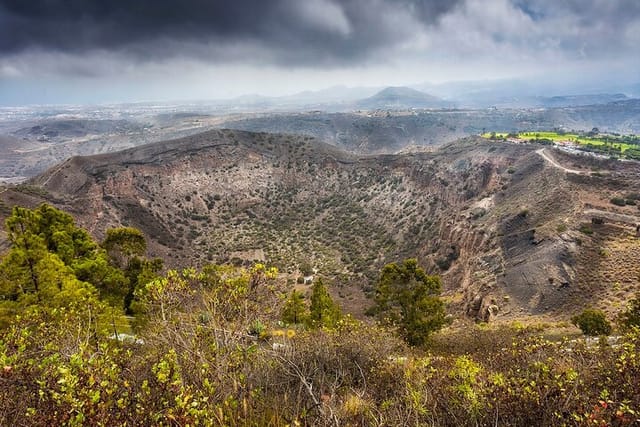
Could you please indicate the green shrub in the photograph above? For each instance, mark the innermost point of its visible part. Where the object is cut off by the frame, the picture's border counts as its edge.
(618, 201)
(631, 317)
(592, 322)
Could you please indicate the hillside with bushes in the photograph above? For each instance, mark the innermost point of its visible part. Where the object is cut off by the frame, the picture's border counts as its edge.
(237, 278)
(218, 346)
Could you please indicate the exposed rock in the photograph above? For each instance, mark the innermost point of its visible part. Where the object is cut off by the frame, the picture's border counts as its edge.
(213, 196)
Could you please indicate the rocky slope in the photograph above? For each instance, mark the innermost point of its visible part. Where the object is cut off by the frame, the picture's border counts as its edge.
(509, 230)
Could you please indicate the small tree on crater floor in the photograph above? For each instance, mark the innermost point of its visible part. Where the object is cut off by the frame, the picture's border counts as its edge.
(295, 310)
(324, 312)
(592, 322)
(408, 299)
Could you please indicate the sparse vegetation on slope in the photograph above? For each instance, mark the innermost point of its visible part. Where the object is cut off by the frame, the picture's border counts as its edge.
(510, 230)
(209, 347)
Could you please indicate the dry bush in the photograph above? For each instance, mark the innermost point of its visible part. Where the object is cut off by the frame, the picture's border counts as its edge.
(198, 364)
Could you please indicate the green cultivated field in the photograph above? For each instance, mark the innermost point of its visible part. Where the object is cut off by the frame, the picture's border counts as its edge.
(625, 145)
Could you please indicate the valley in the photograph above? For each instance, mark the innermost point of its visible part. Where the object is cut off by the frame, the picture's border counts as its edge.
(508, 226)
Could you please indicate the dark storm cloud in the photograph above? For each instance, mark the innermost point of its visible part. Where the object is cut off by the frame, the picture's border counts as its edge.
(360, 41)
(305, 31)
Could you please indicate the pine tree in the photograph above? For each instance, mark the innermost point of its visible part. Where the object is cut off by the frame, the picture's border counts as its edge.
(124, 243)
(47, 230)
(125, 247)
(323, 311)
(295, 310)
(54, 263)
(407, 298)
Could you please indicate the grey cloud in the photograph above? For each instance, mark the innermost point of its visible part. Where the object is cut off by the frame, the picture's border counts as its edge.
(323, 31)
(417, 39)
(593, 28)
(589, 12)
(549, 30)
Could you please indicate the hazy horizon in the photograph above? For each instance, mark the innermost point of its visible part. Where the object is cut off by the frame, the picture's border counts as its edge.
(90, 52)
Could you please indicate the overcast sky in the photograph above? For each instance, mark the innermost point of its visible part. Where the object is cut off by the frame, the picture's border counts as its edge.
(77, 51)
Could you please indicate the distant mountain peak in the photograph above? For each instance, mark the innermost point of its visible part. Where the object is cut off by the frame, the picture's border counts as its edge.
(402, 91)
(402, 97)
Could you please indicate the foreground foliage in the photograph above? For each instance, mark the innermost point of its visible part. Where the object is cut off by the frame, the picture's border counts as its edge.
(183, 371)
(210, 348)
(54, 264)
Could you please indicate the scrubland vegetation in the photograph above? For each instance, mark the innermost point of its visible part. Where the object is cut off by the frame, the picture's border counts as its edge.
(226, 345)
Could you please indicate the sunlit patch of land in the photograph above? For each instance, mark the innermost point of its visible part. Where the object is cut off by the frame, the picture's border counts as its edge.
(612, 144)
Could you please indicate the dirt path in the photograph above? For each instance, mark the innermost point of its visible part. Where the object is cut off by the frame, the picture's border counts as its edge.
(611, 216)
(555, 164)
(53, 172)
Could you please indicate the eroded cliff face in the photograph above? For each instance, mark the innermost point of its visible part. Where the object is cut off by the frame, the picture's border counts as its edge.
(497, 221)
(509, 258)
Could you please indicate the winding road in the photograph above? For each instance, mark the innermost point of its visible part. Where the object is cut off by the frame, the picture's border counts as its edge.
(610, 216)
(555, 164)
